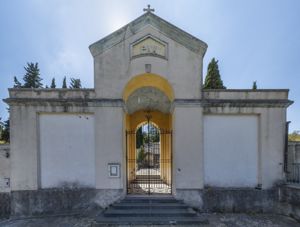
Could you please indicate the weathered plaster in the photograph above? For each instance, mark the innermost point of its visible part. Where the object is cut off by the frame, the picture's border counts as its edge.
(60, 201)
(4, 168)
(231, 200)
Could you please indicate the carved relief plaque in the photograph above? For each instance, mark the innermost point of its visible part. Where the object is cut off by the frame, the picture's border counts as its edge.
(149, 46)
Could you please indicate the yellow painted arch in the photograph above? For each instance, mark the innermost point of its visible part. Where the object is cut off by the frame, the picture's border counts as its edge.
(161, 120)
(148, 80)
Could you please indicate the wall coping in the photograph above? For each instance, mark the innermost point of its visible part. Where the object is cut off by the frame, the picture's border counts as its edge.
(293, 186)
(246, 94)
(247, 90)
(294, 143)
(211, 98)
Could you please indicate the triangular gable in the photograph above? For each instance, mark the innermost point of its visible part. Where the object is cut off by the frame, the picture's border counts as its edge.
(190, 42)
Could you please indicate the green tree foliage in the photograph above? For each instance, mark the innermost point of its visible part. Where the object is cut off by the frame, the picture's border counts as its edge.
(142, 136)
(1, 128)
(5, 131)
(139, 138)
(213, 79)
(17, 83)
(153, 134)
(53, 85)
(64, 85)
(32, 77)
(75, 83)
(295, 136)
(254, 86)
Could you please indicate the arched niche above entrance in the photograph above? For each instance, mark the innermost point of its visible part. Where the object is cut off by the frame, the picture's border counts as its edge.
(148, 98)
(148, 92)
(148, 80)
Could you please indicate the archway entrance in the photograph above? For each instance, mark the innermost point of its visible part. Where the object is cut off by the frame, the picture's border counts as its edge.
(148, 104)
(149, 155)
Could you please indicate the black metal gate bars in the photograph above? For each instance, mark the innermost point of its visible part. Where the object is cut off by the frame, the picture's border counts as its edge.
(149, 165)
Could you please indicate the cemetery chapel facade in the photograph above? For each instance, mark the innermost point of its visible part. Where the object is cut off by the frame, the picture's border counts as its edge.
(147, 127)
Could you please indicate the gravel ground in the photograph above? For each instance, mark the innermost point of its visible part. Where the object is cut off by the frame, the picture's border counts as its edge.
(219, 220)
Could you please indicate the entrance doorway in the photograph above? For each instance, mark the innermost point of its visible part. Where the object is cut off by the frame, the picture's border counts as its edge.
(149, 164)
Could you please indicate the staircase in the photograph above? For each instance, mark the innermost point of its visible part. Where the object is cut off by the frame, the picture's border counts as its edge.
(162, 210)
(144, 179)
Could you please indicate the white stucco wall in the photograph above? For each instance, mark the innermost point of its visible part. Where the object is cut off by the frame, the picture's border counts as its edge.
(231, 150)
(109, 143)
(24, 148)
(67, 150)
(187, 148)
(271, 136)
(272, 130)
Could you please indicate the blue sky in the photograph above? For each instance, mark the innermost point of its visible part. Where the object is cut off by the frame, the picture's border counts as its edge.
(257, 40)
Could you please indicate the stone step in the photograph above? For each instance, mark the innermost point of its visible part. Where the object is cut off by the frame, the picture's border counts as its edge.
(151, 182)
(147, 176)
(147, 180)
(149, 206)
(163, 199)
(106, 221)
(149, 213)
(149, 210)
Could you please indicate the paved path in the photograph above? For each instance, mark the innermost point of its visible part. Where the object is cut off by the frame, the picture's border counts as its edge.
(215, 220)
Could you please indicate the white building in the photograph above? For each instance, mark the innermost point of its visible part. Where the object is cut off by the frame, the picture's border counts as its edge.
(226, 140)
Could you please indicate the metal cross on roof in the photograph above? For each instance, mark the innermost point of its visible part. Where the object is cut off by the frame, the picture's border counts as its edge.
(148, 10)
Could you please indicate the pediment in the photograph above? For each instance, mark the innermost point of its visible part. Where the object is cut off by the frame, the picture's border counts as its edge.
(185, 39)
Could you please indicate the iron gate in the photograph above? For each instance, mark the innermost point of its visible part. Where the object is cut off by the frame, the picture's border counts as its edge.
(149, 165)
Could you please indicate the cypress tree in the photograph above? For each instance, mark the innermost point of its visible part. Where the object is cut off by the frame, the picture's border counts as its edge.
(53, 85)
(32, 77)
(213, 78)
(254, 86)
(64, 85)
(139, 137)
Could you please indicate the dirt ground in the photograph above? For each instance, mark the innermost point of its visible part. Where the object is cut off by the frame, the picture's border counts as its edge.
(218, 220)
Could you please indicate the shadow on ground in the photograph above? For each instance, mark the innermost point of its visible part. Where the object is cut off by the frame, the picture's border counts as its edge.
(219, 220)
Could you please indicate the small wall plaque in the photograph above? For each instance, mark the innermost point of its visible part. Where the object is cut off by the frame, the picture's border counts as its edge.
(113, 169)
(5, 182)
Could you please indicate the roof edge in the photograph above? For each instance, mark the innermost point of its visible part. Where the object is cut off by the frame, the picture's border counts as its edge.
(178, 35)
